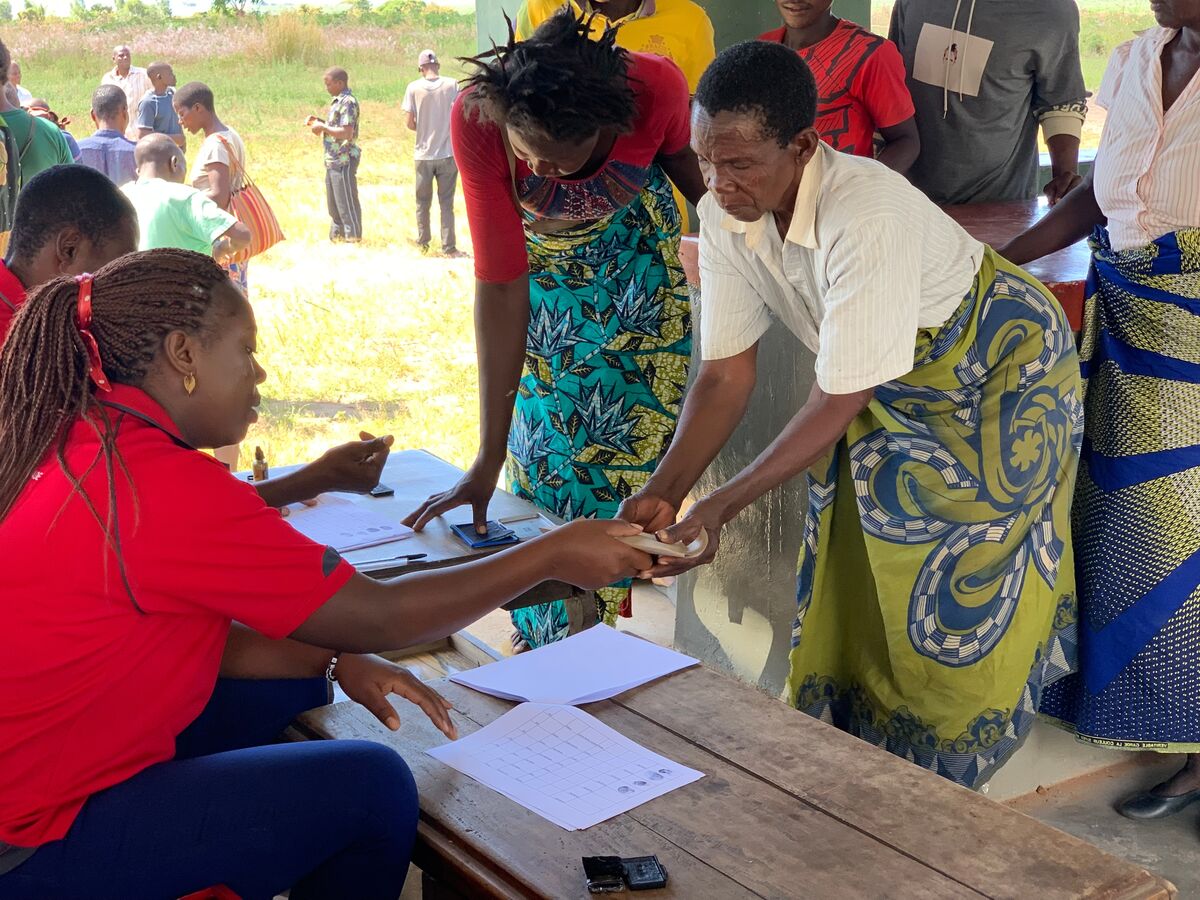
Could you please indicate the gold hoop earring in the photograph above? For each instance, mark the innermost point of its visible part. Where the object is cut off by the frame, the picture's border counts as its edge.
(189, 383)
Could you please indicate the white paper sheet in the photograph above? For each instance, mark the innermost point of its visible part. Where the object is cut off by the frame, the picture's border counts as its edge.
(344, 525)
(593, 665)
(564, 765)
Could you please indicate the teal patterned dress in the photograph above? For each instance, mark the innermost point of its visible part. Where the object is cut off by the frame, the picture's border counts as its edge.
(610, 340)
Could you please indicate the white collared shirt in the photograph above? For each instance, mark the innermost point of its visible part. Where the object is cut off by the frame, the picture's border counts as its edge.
(135, 85)
(1147, 175)
(867, 262)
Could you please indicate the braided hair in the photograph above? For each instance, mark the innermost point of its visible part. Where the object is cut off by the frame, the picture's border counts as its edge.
(559, 83)
(45, 368)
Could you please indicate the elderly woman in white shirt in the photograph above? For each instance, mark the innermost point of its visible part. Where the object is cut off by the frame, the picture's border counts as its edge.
(936, 592)
(1137, 510)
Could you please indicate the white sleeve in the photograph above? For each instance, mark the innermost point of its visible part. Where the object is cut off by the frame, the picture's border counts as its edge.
(1111, 82)
(732, 315)
(409, 106)
(869, 328)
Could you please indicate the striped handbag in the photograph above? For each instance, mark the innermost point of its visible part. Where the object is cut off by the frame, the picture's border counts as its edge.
(251, 208)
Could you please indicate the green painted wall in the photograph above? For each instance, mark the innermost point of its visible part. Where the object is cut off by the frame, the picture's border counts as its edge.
(734, 20)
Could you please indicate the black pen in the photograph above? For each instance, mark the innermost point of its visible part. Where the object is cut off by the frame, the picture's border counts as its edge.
(407, 557)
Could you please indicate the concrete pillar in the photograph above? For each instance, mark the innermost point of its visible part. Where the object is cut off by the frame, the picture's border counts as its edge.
(734, 20)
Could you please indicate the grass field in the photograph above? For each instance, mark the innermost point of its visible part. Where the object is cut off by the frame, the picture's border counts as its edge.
(374, 336)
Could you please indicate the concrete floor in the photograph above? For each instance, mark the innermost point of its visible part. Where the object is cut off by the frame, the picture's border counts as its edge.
(1084, 807)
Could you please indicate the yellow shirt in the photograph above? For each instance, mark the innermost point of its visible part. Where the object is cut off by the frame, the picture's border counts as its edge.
(677, 29)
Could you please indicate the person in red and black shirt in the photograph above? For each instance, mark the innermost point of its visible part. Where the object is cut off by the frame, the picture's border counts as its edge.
(162, 623)
(69, 219)
(861, 86)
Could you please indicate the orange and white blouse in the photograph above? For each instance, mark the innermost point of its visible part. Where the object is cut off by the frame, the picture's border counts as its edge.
(1147, 175)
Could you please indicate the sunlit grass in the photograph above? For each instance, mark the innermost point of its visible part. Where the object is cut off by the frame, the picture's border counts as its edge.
(374, 336)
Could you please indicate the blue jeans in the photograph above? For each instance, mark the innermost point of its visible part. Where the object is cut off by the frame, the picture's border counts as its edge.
(328, 819)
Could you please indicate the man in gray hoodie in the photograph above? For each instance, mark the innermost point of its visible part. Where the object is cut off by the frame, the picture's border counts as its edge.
(984, 75)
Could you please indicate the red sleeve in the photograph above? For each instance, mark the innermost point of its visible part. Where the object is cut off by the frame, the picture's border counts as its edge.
(209, 541)
(6, 317)
(497, 233)
(882, 87)
(664, 102)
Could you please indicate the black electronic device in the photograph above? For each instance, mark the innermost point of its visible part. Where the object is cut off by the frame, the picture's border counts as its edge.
(644, 873)
(604, 874)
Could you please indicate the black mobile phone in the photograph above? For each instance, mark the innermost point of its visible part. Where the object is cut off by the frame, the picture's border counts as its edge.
(381, 490)
(604, 874)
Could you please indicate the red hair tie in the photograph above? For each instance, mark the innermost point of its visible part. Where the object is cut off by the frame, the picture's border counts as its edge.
(84, 322)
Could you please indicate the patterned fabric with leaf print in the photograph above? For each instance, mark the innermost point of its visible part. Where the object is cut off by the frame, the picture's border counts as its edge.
(610, 340)
(936, 595)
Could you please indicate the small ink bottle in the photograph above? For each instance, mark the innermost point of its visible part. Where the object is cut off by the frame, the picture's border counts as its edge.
(260, 465)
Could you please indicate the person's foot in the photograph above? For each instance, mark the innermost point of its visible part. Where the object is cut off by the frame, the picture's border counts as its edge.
(423, 248)
(351, 240)
(1156, 806)
(1175, 794)
(453, 254)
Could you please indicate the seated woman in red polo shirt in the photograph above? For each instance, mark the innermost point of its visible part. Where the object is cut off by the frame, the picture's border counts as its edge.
(861, 86)
(129, 556)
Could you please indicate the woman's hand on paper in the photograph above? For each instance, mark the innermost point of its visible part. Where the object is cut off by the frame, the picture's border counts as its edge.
(588, 555)
(370, 680)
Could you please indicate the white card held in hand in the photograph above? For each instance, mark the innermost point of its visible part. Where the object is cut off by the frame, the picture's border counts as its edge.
(652, 545)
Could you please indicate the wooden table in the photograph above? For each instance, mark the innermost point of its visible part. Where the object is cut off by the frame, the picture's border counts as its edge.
(416, 475)
(1064, 272)
(789, 808)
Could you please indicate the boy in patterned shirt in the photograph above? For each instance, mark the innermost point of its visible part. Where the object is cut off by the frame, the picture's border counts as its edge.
(342, 154)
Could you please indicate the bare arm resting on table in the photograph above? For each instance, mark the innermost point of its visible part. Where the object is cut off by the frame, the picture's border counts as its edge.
(1071, 220)
(1064, 167)
(501, 323)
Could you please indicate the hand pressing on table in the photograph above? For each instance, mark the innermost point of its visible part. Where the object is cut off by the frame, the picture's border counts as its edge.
(474, 489)
(369, 681)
